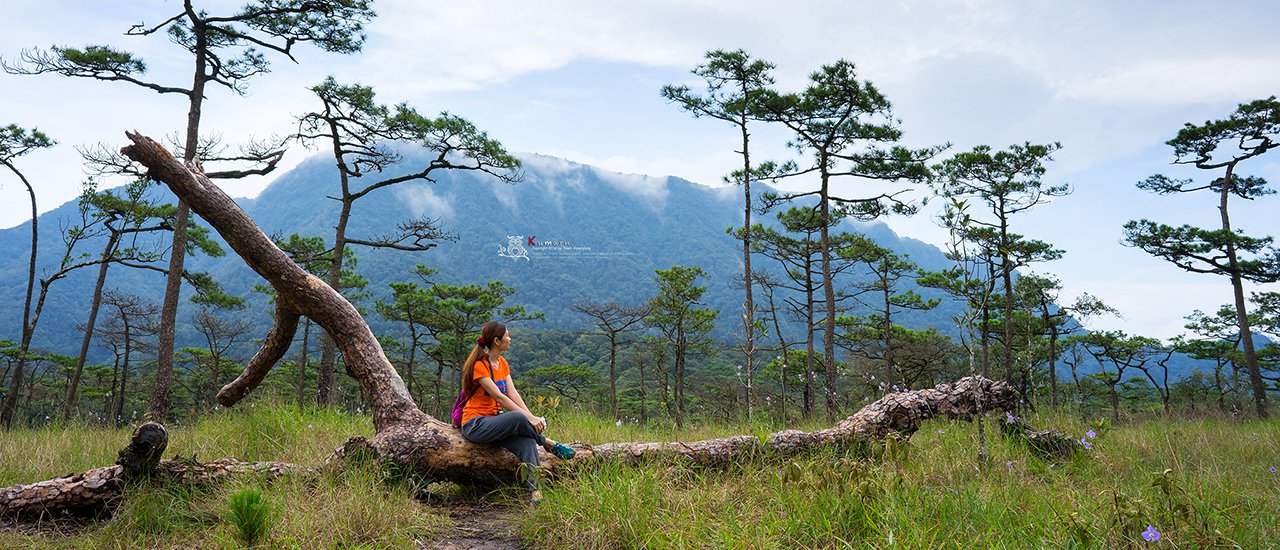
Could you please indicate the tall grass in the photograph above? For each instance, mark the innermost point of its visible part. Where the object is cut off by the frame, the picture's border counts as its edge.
(932, 493)
(928, 492)
(354, 508)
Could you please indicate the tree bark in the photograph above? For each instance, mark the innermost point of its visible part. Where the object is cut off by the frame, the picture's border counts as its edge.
(9, 407)
(94, 304)
(1242, 315)
(749, 321)
(160, 393)
(167, 335)
(117, 401)
(828, 294)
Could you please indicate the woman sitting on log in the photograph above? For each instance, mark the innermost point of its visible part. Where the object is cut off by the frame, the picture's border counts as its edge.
(486, 379)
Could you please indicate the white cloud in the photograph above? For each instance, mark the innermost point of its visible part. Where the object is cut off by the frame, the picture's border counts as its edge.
(423, 202)
(1210, 79)
(653, 190)
(506, 194)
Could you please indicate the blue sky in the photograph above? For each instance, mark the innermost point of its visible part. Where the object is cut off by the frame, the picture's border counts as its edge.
(1111, 81)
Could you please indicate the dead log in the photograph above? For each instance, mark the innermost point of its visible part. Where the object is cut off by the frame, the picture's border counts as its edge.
(1045, 443)
(95, 491)
(897, 413)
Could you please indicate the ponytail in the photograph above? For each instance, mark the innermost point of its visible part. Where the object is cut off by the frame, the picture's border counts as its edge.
(489, 333)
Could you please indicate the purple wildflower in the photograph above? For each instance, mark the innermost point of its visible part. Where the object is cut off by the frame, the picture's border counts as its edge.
(1151, 535)
(1008, 464)
(1272, 470)
(1085, 443)
(1091, 434)
(1008, 417)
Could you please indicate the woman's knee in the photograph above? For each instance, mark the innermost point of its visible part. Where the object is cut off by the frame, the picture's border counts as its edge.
(524, 426)
(525, 449)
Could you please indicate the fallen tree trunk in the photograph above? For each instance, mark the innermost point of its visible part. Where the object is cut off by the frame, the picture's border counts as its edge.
(414, 442)
(897, 413)
(97, 490)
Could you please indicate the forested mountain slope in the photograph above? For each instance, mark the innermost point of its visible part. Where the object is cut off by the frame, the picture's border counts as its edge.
(597, 236)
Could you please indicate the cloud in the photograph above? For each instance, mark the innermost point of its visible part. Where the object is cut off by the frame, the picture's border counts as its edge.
(463, 46)
(506, 194)
(653, 190)
(1176, 81)
(422, 201)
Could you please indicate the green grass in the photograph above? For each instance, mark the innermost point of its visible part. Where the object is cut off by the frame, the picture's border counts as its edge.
(934, 495)
(931, 493)
(353, 509)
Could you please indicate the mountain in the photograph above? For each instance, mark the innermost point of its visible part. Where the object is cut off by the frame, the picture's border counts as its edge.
(586, 234)
(566, 233)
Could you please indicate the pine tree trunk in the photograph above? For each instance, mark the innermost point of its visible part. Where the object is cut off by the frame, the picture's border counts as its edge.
(1242, 317)
(96, 302)
(117, 410)
(613, 375)
(301, 388)
(9, 406)
(747, 278)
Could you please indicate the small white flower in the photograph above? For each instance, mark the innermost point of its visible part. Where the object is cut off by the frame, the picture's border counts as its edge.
(618, 423)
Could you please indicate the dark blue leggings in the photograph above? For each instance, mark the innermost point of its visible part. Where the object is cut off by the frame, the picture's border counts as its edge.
(514, 432)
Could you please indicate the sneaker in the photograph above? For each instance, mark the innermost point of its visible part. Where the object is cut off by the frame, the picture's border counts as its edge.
(562, 451)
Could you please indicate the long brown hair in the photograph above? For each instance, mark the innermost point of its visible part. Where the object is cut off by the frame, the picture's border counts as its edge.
(489, 333)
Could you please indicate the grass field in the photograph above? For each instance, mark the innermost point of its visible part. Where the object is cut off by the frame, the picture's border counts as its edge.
(1197, 483)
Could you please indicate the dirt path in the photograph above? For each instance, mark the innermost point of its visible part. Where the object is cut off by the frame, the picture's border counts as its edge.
(478, 525)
